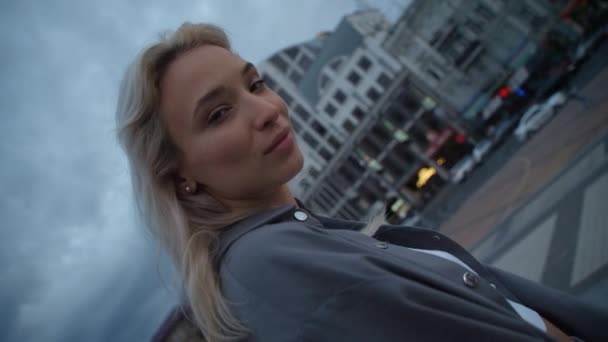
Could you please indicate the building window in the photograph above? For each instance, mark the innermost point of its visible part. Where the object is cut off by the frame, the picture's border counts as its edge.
(305, 62)
(349, 126)
(295, 77)
(285, 96)
(339, 96)
(369, 147)
(411, 99)
(393, 167)
(334, 142)
(418, 134)
(474, 26)
(330, 109)
(403, 153)
(302, 113)
(325, 154)
(279, 63)
(536, 22)
(354, 164)
(270, 82)
(324, 81)
(335, 65)
(384, 81)
(314, 173)
(358, 113)
(304, 184)
(296, 126)
(484, 12)
(322, 195)
(528, 15)
(373, 94)
(381, 133)
(292, 52)
(345, 173)
(354, 78)
(364, 63)
(319, 128)
(433, 74)
(310, 140)
(396, 117)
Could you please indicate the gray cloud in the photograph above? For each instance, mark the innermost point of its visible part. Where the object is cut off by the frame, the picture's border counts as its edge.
(73, 264)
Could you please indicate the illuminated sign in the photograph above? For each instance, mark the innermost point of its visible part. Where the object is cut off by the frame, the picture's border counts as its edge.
(424, 174)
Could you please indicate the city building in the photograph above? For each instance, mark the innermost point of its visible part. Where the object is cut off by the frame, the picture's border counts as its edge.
(330, 85)
(463, 51)
(398, 156)
(379, 137)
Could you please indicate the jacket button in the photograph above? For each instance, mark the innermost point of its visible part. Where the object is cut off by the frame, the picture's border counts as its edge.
(436, 237)
(300, 215)
(382, 245)
(470, 279)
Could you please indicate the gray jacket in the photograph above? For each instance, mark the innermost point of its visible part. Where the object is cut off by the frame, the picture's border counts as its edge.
(290, 275)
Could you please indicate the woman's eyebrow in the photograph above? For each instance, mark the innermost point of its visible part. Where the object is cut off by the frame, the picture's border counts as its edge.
(217, 91)
(246, 68)
(211, 95)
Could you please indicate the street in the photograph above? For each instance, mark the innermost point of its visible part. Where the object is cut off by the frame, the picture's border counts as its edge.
(539, 208)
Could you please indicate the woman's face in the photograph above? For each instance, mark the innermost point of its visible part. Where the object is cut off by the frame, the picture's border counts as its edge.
(223, 120)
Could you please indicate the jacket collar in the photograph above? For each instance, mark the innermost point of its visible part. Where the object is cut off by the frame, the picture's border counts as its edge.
(236, 230)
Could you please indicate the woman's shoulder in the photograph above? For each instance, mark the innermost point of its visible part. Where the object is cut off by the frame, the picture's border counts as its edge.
(264, 267)
(288, 255)
(262, 245)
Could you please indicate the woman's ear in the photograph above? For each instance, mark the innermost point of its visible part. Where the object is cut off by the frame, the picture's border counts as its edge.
(185, 186)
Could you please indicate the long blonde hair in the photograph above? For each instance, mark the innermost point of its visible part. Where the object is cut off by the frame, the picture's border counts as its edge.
(186, 226)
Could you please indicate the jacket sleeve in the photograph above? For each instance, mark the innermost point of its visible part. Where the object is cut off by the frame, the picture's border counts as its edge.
(387, 309)
(572, 315)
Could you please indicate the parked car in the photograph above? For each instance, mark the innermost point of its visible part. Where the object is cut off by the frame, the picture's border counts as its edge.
(585, 47)
(503, 128)
(461, 169)
(556, 100)
(538, 114)
(481, 149)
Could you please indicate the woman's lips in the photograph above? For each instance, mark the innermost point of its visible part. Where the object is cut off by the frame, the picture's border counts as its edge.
(285, 142)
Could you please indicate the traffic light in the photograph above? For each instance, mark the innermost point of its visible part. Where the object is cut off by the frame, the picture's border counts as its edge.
(504, 92)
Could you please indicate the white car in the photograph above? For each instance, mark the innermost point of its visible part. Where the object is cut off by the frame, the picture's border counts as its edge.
(462, 169)
(538, 115)
(556, 100)
(481, 149)
(585, 48)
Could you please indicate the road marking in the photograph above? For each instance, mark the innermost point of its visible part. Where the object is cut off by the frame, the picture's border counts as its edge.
(592, 244)
(528, 257)
(522, 183)
(567, 182)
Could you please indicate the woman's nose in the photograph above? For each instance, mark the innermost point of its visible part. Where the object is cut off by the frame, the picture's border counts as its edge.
(266, 112)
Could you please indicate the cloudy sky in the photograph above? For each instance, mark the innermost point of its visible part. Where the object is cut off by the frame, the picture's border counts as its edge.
(73, 264)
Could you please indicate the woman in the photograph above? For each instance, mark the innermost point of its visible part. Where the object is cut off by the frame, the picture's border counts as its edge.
(211, 151)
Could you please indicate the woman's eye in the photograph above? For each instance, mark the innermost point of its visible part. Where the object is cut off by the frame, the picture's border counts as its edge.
(257, 85)
(217, 115)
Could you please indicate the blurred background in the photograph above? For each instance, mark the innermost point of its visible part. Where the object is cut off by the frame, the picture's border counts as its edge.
(483, 119)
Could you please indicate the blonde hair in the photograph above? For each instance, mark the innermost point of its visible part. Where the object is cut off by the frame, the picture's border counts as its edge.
(186, 226)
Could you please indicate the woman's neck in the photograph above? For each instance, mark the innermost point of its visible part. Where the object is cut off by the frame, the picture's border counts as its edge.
(269, 200)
